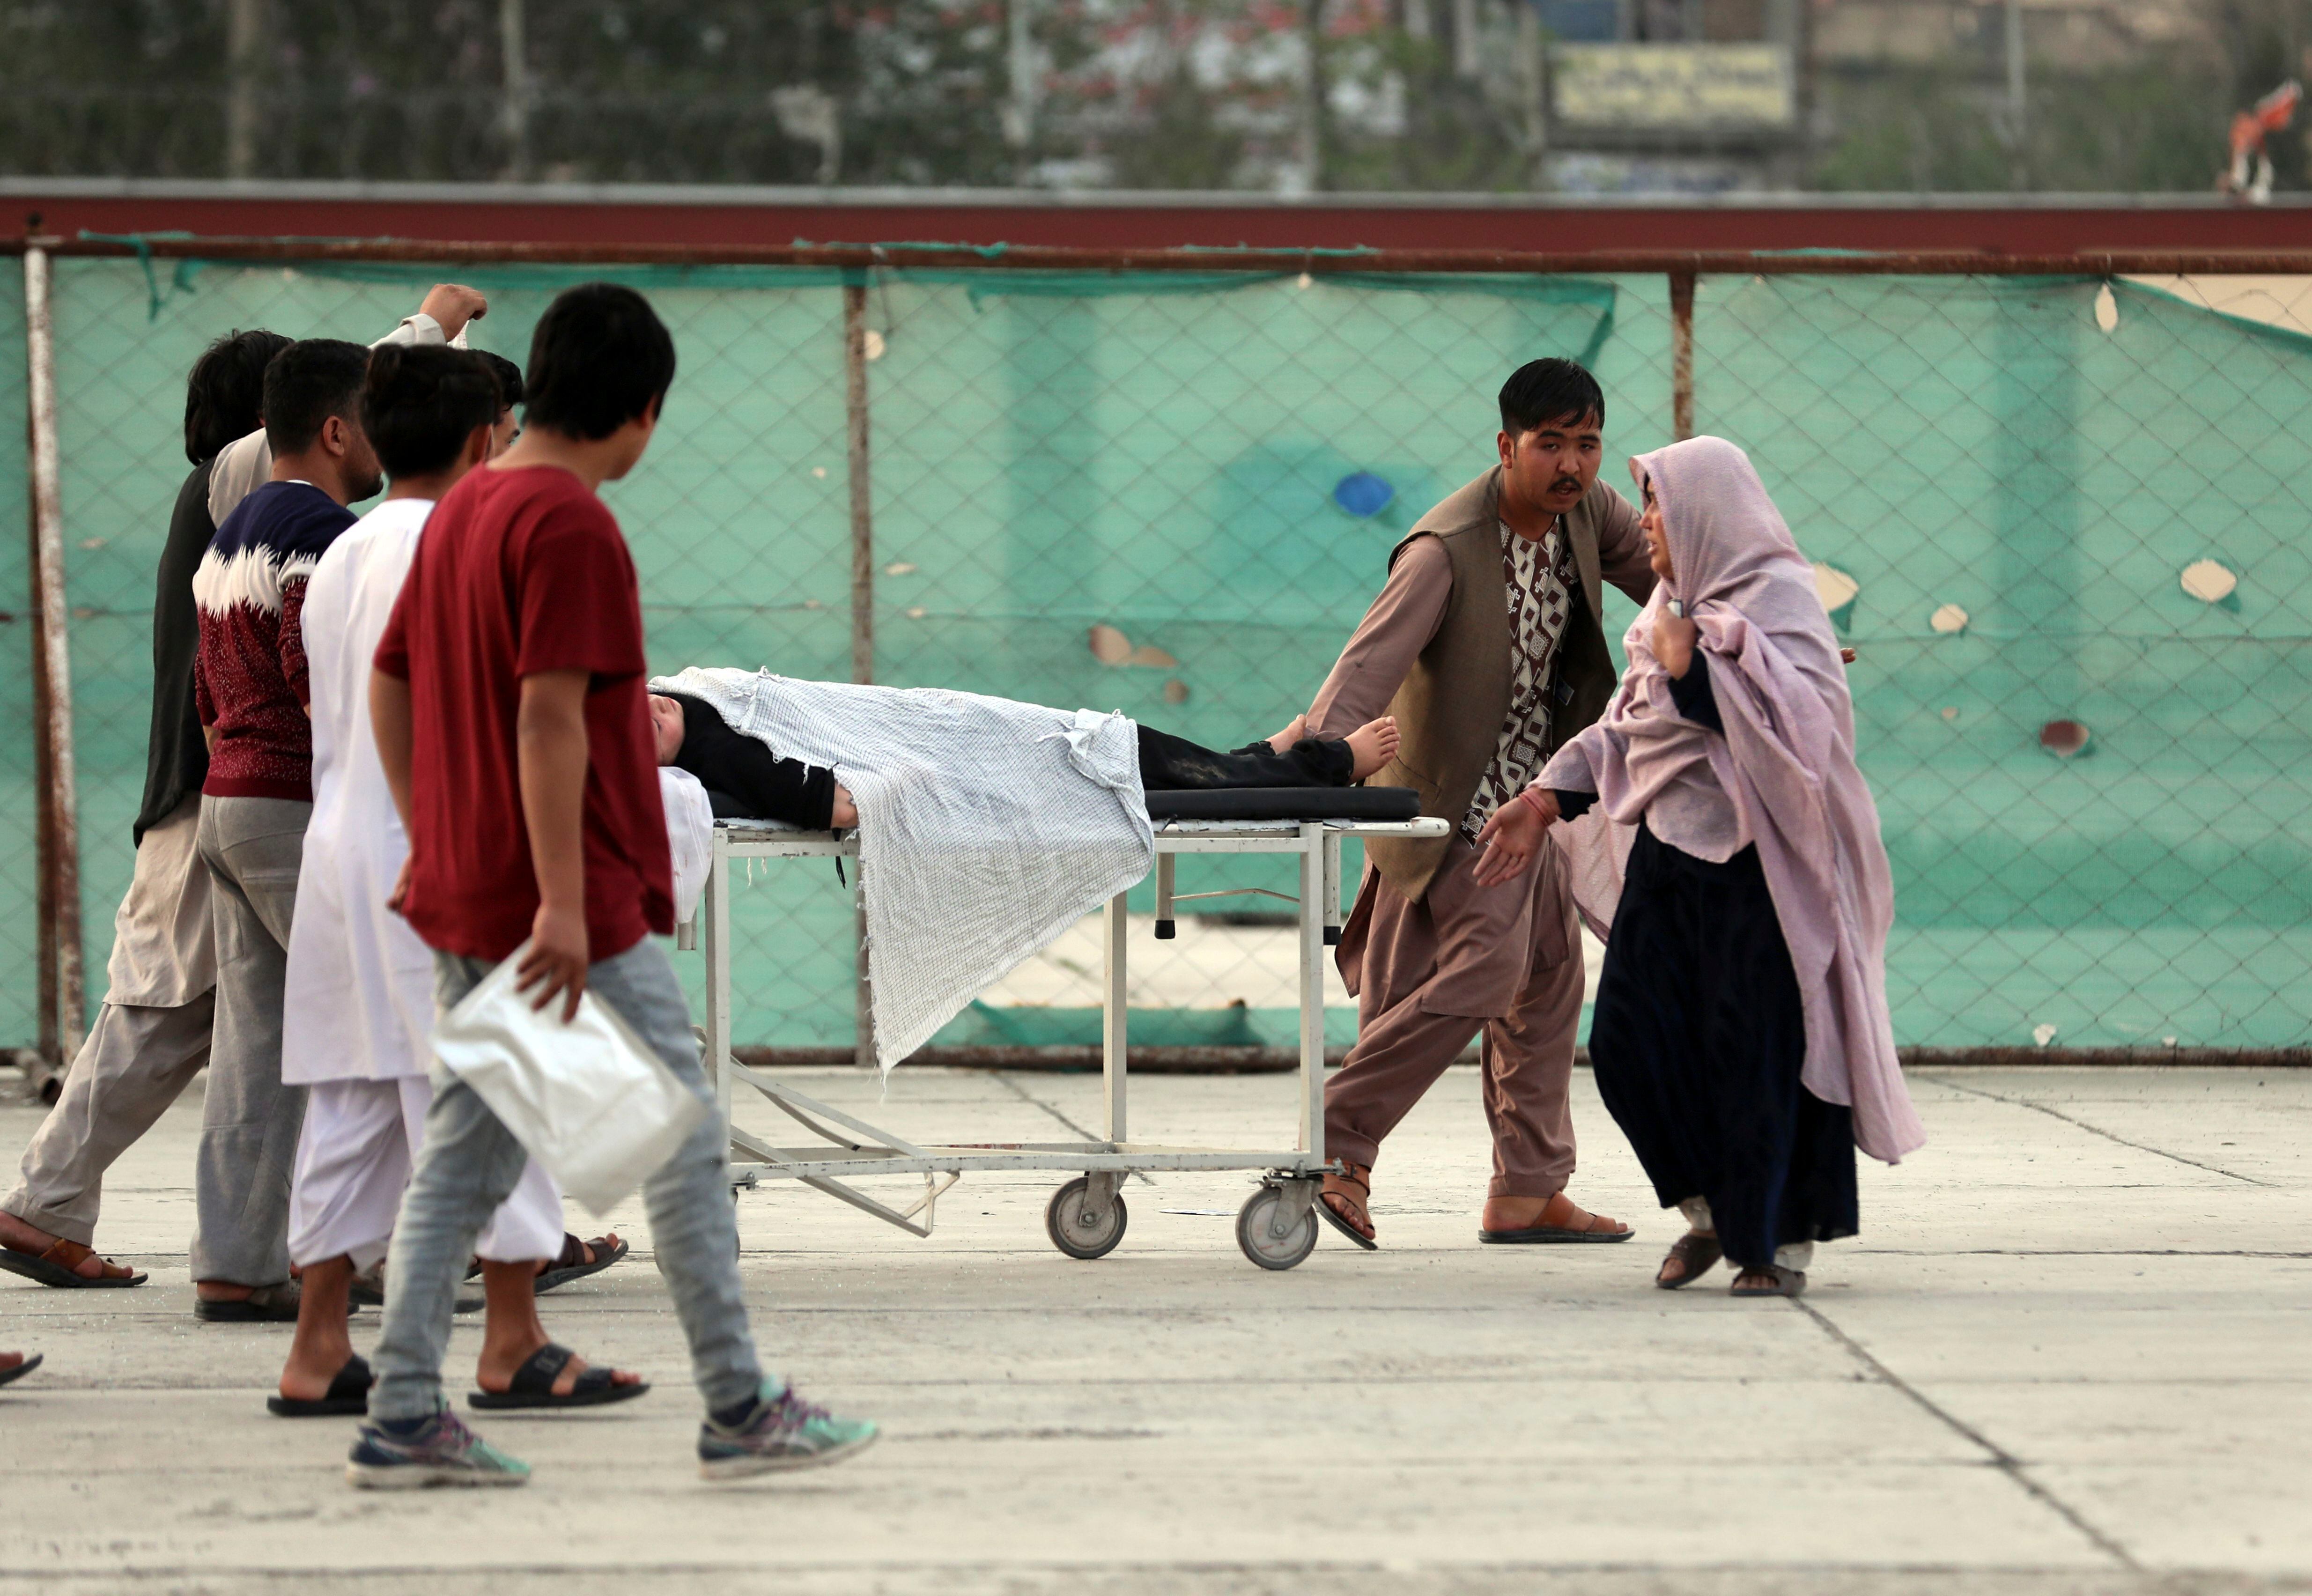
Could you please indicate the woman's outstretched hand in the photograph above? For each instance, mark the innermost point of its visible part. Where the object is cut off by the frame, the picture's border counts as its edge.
(1514, 835)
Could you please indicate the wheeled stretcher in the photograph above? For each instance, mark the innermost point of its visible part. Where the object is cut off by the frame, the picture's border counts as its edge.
(1276, 1228)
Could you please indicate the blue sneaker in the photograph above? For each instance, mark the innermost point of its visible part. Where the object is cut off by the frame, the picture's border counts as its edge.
(444, 1453)
(784, 1431)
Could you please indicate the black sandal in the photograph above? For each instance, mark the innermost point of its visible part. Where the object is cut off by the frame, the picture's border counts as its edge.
(267, 1304)
(533, 1384)
(573, 1265)
(18, 1371)
(347, 1396)
(1698, 1253)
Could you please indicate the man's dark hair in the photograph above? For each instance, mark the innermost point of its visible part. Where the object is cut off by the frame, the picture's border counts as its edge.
(1553, 390)
(509, 376)
(311, 380)
(600, 358)
(225, 397)
(420, 405)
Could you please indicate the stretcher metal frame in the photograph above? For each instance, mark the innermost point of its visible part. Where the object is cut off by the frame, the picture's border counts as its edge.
(1086, 1218)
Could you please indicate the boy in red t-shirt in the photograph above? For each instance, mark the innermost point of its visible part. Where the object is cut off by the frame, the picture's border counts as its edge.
(510, 717)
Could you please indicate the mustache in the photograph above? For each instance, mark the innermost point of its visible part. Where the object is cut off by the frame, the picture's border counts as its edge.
(1566, 484)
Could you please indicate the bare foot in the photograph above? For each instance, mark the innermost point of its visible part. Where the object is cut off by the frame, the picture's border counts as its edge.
(1371, 746)
(1283, 740)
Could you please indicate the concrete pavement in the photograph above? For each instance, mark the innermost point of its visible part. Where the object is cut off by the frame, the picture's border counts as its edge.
(2067, 1355)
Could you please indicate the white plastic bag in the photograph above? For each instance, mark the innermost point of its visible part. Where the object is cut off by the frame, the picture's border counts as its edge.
(590, 1099)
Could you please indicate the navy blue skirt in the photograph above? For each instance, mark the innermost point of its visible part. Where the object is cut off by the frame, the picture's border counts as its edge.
(1698, 1037)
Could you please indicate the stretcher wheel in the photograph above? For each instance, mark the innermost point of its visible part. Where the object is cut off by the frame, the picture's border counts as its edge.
(1256, 1230)
(1078, 1232)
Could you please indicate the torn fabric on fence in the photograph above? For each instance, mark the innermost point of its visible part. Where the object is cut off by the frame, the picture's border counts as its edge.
(986, 827)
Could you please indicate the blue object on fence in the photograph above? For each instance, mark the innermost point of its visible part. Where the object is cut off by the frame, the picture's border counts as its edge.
(1360, 493)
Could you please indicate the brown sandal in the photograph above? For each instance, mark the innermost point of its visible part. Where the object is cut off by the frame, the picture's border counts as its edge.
(1351, 1216)
(1573, 1223)
(1772, 1281)
(1694, 1253)
(59, 1267)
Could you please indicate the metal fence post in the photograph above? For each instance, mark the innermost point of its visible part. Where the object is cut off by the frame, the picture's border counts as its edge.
(862, 597)
(1681, 354)
(61, 1000)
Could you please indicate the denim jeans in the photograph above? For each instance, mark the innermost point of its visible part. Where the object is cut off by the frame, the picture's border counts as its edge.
(470, 1164)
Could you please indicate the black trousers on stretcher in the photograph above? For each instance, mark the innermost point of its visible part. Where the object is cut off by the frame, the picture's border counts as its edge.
(1169, 764)
(744, 779)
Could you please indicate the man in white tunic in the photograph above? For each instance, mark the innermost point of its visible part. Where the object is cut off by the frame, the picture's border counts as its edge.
(360, 1011)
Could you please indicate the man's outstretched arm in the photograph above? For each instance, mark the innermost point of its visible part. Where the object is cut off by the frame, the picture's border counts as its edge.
(243, 465)
(1392, 635)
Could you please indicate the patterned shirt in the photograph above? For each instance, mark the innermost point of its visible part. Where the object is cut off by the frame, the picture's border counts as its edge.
(1541, 578)
(249, 668)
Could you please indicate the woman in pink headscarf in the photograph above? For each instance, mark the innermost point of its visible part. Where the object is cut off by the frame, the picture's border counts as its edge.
(1722, 831)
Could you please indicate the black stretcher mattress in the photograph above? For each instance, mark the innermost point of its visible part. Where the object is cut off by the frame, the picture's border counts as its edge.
(1286, 804)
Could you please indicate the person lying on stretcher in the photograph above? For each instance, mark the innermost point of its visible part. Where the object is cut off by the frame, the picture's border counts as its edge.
(745, 780)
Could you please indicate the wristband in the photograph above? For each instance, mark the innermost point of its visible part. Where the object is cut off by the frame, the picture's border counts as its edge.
(1528, 794)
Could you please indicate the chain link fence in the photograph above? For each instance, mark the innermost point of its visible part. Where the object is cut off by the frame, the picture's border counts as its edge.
(2062, 520)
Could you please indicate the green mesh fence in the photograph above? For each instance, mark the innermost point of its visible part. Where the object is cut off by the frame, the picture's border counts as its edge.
(1158, 456)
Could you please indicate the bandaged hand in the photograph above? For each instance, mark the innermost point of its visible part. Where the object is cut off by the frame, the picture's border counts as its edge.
(1510, 839)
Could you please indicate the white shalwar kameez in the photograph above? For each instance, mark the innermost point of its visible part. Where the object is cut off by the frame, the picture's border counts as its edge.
(360, 1014)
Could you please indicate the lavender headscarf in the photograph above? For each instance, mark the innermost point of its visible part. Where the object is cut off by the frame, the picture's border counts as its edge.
(1787, 761)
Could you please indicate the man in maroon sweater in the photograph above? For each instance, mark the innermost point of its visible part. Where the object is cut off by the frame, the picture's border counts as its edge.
(249, 687)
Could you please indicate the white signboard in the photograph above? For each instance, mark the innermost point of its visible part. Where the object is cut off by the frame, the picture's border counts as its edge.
(1672, 87)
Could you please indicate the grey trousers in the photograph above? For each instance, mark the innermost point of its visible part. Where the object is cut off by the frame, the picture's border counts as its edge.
(471, 1162)
(136, 1061)
(249, 1131)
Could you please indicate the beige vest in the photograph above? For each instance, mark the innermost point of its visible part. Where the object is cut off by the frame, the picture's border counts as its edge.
(1449, 711)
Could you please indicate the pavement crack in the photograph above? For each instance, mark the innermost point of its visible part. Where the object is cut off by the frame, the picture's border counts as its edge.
(1026, 1096)
(2005, 1462)
(2024, 1102)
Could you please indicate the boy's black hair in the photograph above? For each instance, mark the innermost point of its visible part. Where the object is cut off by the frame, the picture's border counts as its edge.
(600, 358)
(509, 376)
(311, 380)
(1550, 391)
(224, 398)
(420, 405)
